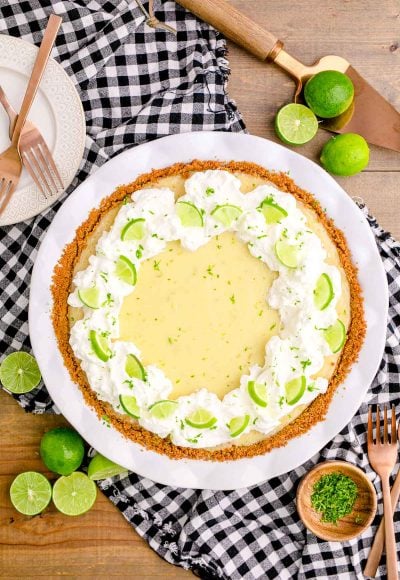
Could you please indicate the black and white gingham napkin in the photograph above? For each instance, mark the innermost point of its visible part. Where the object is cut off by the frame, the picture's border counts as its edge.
(136, 84)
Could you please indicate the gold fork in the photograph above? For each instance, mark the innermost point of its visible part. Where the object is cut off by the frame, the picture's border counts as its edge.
(10, 160)
(382, 457)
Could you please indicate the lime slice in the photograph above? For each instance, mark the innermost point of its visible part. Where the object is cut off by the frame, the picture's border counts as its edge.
(189, 214)
(134, 368)
(90, 297)
(323, 292)
(133, 230)
(201, 419)
(102, 468)
(295, 390)
(74, 494)
(258, 393)
(163, 409)
(335, 336)
(99, 345)
(30, 493)
(19, 373)
(273, 213)
(295, 124)
(129, 405)
(238, 424)
(286, 253)
(125, 270)
(226, 214)
(62, 450)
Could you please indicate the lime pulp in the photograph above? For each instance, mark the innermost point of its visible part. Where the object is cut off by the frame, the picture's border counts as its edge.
(294, 390)
(125, 270)
(62, 450)
(323, 292)
(74, 494)
(100, 345)
(273, 213)
(335, 336)
(102, 468)
(30, 493)
(130, 406)
(19, 373)
(295, 124)
(286, 253)
(238, 424)
(226, 214)
(134, 368)
(163, 409)
(258, 393)
(201, 419)
(90, 297)
(189, 214)
(133, 230)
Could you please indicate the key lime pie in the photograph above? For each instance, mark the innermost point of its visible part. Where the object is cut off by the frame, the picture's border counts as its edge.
(208, 310)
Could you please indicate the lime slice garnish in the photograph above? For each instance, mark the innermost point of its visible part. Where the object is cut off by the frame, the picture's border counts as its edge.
(189, 214)
(295, 124)
(323, 292)
(74, 494)
(258, 393)
(273, 213)
(129, 405)
(201, 419)
(19, 373)
(30, 493)
(226, 214)
(90, 297)
(62, 450)
(134, 368)
(335, 336)
(238, 424)
(133, 230)
(101, 468)
(125, 270)
(100, 345)
(286, 253)
(294, 390)
(163, 409)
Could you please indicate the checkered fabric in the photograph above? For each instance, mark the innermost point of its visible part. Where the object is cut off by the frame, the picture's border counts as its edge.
(137, 84)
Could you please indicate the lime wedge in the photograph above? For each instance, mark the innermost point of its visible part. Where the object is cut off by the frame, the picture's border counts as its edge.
(90, 297)
(19, 373)
(129, 405)
(286, 253)
(134, 368)
(258, 393)
(335, 336)
(125, 270)
(295, 390)
(189, 214)
(30, 493)
(163, 409)
(74, 494)
(238, 424)
(295, 124)
(273, 213)
(100, 345)
(133, 230)
(101, 468)
(201, 419)
(226, 214)
(323, 292)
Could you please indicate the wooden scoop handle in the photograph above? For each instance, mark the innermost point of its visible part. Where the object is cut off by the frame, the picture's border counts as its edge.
(236, 26)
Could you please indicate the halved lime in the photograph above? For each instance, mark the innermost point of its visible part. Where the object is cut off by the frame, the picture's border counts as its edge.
(30, 493)
(335, 336)
(189, 214)
(101, 468)
(163, 409)
(273, 213)
(90, 297)
(134, 368)
(19, 373)
(238, 424)
(294, 390)
(100, 345)
(323, 292)
(258, 393)
(287, 253)
(201, 419)
(226, 214)
(126, 271)
(129, 405)
(74, 494)
(295, 124)
(133, 230)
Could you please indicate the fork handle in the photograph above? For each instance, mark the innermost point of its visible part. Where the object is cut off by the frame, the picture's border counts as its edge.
(37, 72)
(390, 542)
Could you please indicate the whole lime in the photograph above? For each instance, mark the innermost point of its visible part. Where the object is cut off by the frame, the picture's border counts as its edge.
(62, 450)
(345, 154)
(329, 93)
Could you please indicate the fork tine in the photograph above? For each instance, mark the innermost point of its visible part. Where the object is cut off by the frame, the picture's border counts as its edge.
(370, 439)
(6, 190)
(393, 434)
(45, 168)
(385, 425)
(378, 425)
(32, 172)
(35, 171)
(51, 162)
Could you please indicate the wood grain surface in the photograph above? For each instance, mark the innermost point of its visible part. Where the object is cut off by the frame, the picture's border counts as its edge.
(101, 543)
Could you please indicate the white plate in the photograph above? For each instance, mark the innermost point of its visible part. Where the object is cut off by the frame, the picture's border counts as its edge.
(57, 112)
(125, 168)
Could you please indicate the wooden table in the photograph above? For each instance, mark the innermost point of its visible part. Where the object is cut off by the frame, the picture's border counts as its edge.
(101, 543)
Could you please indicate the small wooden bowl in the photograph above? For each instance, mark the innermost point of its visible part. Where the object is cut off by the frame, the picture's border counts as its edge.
(351, 525)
